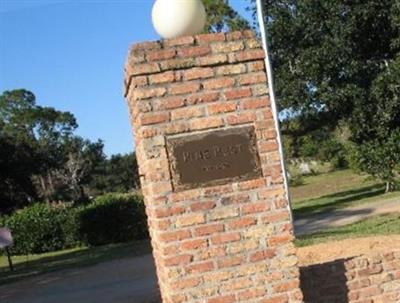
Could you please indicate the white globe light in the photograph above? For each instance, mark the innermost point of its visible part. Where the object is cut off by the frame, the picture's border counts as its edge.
(175, 18)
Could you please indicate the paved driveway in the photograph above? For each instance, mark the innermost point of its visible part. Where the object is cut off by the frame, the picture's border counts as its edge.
(120, 281)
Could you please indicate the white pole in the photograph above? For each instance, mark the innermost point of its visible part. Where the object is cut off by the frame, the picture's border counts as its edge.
(268, 67)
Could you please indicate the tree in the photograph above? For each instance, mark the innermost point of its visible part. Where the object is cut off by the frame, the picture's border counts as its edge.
(81, 157)
(44, 130)
(380, 158)
(222, 17)
(117, 174)
(17, 164)
(337, 62)
(326, 54)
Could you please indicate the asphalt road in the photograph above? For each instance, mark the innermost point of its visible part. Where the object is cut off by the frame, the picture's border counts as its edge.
(120, 281)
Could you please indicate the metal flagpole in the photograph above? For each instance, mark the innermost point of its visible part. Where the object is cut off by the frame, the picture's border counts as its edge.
(263, 31)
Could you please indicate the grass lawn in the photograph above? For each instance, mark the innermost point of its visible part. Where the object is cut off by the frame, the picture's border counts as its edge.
(27, 266)
(339, 189)
(380, 225)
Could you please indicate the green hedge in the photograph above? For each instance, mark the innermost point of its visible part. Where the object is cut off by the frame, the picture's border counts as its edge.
(113, 218)
(41, 228)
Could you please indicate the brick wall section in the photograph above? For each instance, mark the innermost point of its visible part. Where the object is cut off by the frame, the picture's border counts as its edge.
(362, 279)
(218, 244)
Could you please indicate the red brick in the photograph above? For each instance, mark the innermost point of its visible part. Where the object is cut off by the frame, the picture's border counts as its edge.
(202, 98)
(235, 199)
(138, 81)
(187, 113)
(198, 73)
(241, 118)
(370, 291)
(237, 93)
(169, 103)
(178, 63)
(176, 128)
(230, 262)
(184, 88)
(190, 219)
(257, 207)
(153, 118)
(218, 83)
(222, 299)
(371, 270)
(212, 60)
(162, 54)
(163, 224)
(185, 195)
(286, 286)
(221, 107)
(175, 235)
(242, 222)
(276, 299)
(251, 294)
(185, 40)
(206, 205)
(267, 146)
(178, 260)
(276, 217)
(256, 183)
(178, 298)
(227, 47)
(195, 51)
(207, 38)
(165, 77)
(218, 190)
(205, 123)
(186, 283)
(146, 45)
(194, 244)
(225, 238)
(168, 212)
(249, 55)
(280, 240)
(208, 229)
(255, 103)
(230, 69)
(146, 68)
(256, 66)
(237, 35)
(200, 267)
(248, 34)
(148, 93)
(170, 250)
(253, 78)
(262, 255)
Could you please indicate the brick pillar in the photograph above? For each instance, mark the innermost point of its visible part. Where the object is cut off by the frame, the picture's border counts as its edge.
(210, 170)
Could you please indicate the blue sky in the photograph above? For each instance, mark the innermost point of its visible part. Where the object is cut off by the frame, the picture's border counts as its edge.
(70, 54)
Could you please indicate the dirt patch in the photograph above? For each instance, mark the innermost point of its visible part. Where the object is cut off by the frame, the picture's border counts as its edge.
(325, 252)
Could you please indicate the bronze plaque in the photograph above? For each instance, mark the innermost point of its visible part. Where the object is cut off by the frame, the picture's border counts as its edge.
(213, 157)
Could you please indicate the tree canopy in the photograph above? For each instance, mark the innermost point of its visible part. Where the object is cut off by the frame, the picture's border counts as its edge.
(337, 63)
(222, 17)
(41, 157)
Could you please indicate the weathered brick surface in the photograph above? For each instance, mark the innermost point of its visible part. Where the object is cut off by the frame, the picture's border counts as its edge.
(217, 244)
(374, 279)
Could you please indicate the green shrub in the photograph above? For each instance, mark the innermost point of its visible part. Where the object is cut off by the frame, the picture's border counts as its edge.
(42, 228)
(113, 218)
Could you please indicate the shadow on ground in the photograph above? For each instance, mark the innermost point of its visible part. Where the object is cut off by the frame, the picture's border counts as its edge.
(338, 200)
(325, 282)
(74, 259)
